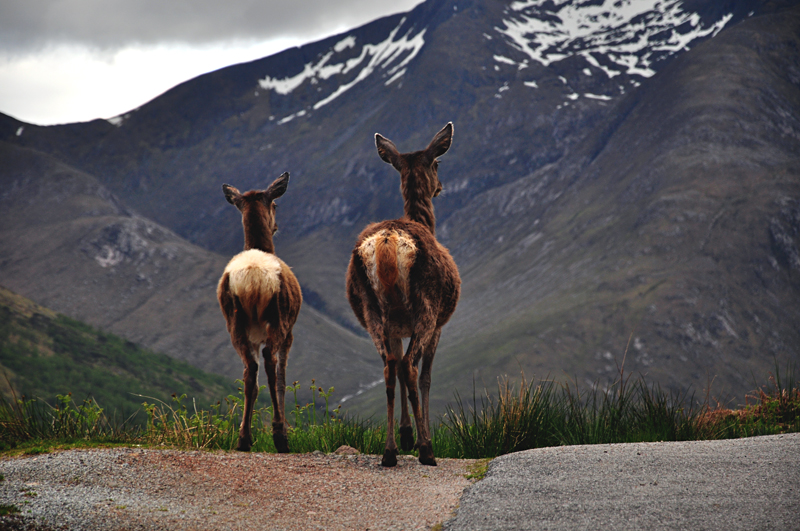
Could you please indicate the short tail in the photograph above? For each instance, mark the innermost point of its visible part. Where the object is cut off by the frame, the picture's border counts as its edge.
(386, 260)
(388, 256)
(254, 278)
(254, 288)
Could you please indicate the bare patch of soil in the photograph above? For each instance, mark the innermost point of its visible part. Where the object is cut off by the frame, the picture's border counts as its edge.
(152, 489)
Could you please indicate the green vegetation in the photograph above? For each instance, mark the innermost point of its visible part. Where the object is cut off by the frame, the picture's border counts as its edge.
(144, 402)
(6, 510)
(43, 353)
(550, 414)
(478, 469)
(513, 419)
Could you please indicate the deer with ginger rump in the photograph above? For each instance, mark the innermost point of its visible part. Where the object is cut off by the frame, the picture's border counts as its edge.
(260, 299)
(401, 283)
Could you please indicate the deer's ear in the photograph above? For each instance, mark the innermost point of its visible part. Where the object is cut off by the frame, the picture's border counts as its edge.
(441, 142)
(387, 150)
(231, 193)
(278, 187)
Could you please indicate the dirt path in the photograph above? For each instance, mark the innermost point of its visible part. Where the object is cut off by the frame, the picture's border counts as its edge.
(152, 489)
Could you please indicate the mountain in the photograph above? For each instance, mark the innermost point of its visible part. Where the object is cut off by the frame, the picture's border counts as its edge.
(623, 182)
(71, 245)
(679, 232)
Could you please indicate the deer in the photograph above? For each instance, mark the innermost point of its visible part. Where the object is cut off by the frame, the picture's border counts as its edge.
(402, 283)
(260, 298)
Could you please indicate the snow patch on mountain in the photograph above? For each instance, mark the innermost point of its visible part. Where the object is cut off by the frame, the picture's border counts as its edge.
(342, 45)
(391, 56)
(614, 36)
(122, 118)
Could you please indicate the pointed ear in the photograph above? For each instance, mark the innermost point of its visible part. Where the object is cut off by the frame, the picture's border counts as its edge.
(387, 150)
(231, 193)
(278, 187)
(441, 141)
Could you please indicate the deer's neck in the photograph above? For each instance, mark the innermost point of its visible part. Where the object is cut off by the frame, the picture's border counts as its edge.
(420, 209)
(257, 236)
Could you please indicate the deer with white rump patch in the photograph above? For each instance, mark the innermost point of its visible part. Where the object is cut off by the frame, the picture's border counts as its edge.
(402, 283)
(260, 299)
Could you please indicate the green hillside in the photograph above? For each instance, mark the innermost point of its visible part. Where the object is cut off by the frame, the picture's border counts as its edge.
(43, 354)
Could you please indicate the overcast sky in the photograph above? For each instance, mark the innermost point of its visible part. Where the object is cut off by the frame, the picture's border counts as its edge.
(66, 61)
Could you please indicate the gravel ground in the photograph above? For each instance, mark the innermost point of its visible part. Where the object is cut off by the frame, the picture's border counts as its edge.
(741, 484)
(738, 484)
(128, 488)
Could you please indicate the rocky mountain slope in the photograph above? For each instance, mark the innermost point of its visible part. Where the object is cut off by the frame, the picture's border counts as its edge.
(71, 245)
(619, 171)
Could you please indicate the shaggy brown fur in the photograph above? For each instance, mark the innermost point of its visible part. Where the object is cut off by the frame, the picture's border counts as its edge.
(402, 283)
(260, 299)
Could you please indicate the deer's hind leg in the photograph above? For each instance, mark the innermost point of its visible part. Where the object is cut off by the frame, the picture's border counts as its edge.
(409, 371)
(390, 362)
(406, 431)
(279, 431)
(390, 359)
(425, 378)
(276, 355)
(249, 355)
(250, 378)
(237, 323)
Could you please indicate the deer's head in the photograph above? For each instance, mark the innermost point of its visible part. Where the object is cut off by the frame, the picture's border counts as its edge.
(258, 212)
(419, 173)
(418, 170)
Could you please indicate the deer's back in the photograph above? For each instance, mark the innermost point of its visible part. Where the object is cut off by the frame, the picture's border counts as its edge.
(425, 273)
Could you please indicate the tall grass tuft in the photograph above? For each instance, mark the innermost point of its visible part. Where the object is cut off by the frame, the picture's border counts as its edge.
(624, 412)
(773, 409)
(174, 425)
(516, 419)
(31, 421)
(550, 414)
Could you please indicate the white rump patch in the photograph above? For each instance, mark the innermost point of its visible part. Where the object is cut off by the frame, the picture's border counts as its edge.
(254, 270)
(254, 277)
(405, 256)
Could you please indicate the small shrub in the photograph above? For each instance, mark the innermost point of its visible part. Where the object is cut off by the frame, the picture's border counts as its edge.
(6, 510)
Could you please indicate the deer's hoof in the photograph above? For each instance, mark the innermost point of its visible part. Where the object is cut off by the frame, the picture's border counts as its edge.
(389, 458)
(281, 443)
(406, 438)
(244, 444)
(426, 455)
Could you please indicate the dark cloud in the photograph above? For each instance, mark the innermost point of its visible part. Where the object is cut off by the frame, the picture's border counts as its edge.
(30, 25)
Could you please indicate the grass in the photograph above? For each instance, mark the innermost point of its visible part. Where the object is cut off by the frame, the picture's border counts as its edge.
(43, 353)
(478, 469)
(515, 417)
